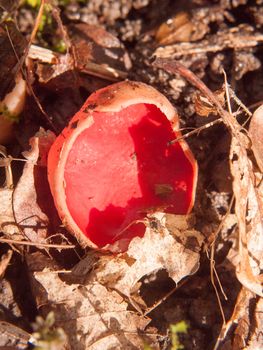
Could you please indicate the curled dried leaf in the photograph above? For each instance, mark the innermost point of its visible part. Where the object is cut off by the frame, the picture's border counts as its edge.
(256, 135)
(204, 107)
(12, 335)
(4, 262)
(173, 246)
(249, 204)
(30, 199)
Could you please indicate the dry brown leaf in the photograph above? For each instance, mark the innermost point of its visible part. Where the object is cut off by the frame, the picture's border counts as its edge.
(168, 244)
(244, 328)
(256, 135)
(13, 336)
(31, 201)
(95, 52)
(240, 316)
(93, 310)
(7, 221)
(93, 43)
(93, 316)
(4, 262)
(256, 339)
(248, 207)
(204, 107)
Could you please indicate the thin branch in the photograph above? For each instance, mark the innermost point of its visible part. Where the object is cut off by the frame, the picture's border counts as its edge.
(226, 40)
(22, 60)
(227, 93)
(159, 302)
(8, 169)
(35, 244)
(196, 131)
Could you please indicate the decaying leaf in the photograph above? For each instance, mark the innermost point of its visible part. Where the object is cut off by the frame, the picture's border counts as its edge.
(30, 199)
(92, 315)
(204, 107)
(5, 259)
(95, 52)
(249, 204)
(13, 336)
(247, 311)
(255, 133)
(256, 339)
(7, 222)
(165, 245)
(92, 306)
(94, 44)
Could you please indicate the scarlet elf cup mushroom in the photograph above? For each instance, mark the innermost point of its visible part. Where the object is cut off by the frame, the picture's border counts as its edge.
(115, 162)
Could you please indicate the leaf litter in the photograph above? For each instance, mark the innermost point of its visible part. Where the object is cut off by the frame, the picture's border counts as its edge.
(97, 304)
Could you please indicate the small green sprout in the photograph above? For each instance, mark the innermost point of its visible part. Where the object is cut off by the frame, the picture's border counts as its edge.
(33, 3)
(175, 329)
(180, 327)
(46, 337)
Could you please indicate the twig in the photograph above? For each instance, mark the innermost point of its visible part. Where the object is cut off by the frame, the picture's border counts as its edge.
(36, 25)
(35, 244)
(8, 169)
(19, 61)
(212, 272)
(214, 122)
(212, 262)
(196, 131)
(174, 67)
(238, 101)
(227, 93)
(159, 302)
(227, 40)
(22, 60)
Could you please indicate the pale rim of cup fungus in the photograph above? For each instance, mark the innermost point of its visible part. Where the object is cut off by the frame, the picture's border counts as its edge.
(115, 163)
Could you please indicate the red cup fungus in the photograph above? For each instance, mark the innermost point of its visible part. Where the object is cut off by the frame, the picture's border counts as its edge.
(115, 162)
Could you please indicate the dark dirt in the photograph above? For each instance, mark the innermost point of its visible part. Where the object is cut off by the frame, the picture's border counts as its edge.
(134, 23)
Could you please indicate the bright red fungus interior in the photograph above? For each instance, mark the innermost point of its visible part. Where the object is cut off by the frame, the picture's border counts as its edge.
(123, 167)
